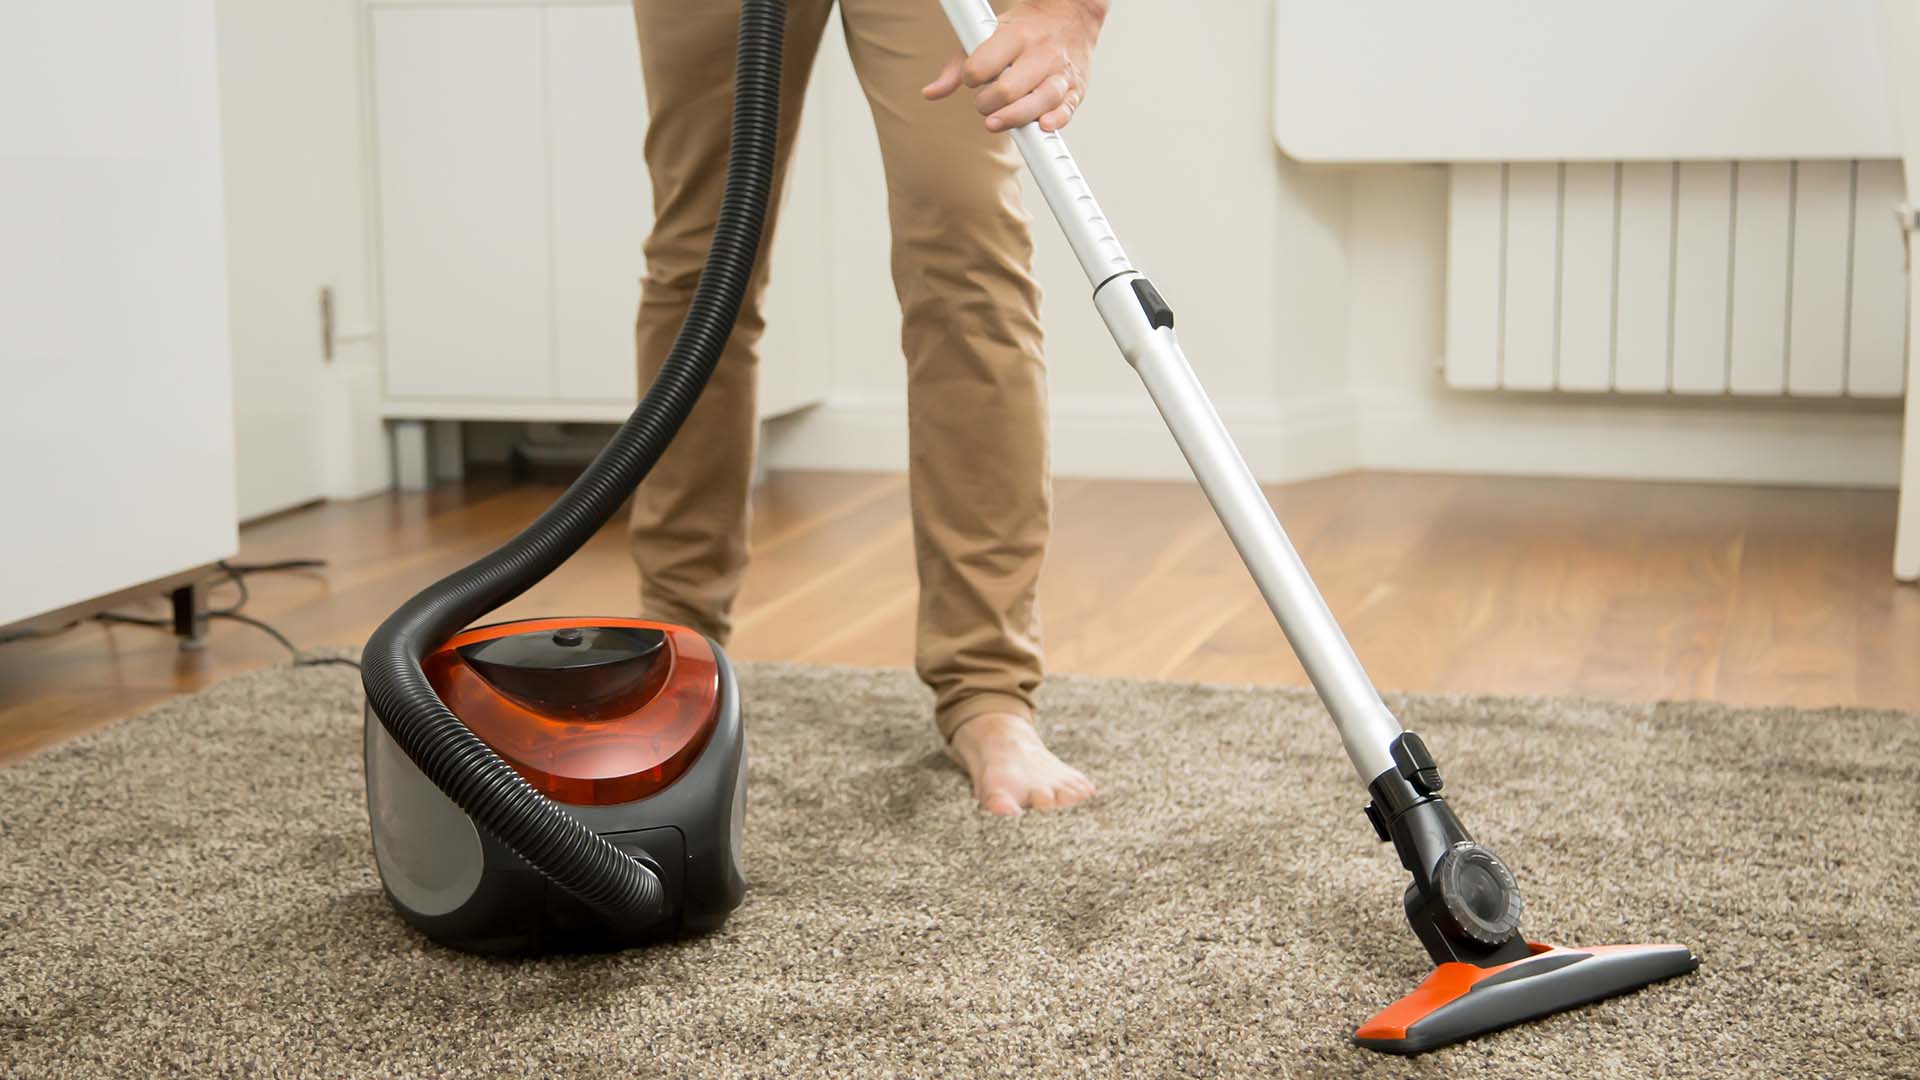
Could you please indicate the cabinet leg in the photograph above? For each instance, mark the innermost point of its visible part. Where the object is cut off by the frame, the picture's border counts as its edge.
(760, 455)
(449, 452)
(189, 618)
(412, 467)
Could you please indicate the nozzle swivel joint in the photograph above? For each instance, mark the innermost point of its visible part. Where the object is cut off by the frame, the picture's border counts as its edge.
(1463, 903)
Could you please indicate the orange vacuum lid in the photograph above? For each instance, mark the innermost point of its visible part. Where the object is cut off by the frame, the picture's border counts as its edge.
(591, 711)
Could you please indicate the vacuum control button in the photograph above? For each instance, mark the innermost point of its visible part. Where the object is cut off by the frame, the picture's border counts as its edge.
(1159, 314)
(1411, 758)
(569, 665)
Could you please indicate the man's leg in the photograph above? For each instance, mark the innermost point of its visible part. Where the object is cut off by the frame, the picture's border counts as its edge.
(976, 407)
(690, 517)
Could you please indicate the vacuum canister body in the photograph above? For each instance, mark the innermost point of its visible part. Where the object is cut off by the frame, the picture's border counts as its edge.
(633, 727)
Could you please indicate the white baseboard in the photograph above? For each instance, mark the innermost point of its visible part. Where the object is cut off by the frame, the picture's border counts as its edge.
(1719, 440)
(1847, 444)
(1092, 436)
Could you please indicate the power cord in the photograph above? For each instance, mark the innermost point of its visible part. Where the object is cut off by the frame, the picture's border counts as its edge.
(234, 573)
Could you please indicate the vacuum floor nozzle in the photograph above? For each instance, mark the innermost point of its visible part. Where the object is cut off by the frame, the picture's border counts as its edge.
(1459, 1000)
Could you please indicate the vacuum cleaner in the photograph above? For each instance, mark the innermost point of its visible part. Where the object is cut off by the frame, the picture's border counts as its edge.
(580, 783)
(577, 783)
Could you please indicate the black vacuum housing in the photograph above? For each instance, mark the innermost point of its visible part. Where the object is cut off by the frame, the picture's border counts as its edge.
(632, 727)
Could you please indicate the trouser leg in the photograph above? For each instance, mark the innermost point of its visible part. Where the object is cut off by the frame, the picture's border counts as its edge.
(962, 266)
(690, 518)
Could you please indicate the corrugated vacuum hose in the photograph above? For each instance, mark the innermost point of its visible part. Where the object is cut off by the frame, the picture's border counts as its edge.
(482, 785)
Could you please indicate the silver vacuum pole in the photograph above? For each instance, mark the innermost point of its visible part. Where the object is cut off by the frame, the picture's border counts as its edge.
(1142, 325)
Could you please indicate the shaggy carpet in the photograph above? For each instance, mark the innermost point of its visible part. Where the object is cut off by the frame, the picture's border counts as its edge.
(192, 892)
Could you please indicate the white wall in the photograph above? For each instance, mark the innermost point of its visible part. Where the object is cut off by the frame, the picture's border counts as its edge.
(115, 422)
(1246, 245)
(1310, 299)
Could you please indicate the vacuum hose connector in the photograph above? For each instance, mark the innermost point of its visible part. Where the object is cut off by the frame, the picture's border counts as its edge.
(486, 788)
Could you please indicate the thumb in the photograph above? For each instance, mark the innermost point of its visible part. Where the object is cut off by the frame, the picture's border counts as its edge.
(946, 82)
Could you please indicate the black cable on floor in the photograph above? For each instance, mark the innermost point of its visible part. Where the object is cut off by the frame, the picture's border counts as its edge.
(298, 660)
(239, 580)
(33, 633)
(132, 620)
(269, 567)
(235, 573)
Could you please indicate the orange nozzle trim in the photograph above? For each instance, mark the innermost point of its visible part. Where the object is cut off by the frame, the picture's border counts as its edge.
(1450, 982)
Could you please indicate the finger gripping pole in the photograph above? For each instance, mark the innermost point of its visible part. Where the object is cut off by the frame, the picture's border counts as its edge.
(1052, 165)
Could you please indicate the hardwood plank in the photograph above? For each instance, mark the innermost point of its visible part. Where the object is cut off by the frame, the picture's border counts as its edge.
(1810, 563)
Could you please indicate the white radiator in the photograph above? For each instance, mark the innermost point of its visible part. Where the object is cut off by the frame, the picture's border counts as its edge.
(1753, 278)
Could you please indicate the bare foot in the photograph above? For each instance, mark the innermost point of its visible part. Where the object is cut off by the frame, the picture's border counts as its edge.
(1012, 769)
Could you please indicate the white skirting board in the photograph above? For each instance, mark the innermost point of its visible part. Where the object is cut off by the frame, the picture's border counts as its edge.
(1317, 435)
(1560, 435)
(1115, 437)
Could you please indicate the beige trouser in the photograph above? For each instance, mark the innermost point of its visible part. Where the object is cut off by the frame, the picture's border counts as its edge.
(976, 389)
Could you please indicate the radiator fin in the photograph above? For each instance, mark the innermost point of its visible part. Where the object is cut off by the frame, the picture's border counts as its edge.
(1760, 279)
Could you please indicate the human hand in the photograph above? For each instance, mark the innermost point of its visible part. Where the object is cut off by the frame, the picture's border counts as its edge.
(1034, 67)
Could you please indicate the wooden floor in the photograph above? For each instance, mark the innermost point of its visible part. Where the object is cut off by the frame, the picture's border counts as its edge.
(1630, 590)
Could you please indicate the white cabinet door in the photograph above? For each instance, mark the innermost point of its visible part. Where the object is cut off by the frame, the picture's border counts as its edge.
(602, 201)
(278, 93)
(793, 354)
(461, 138)
(116, 420)
(515, 205)
(603, 207)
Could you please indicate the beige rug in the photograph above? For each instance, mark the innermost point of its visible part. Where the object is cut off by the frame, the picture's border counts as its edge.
(192, 892)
